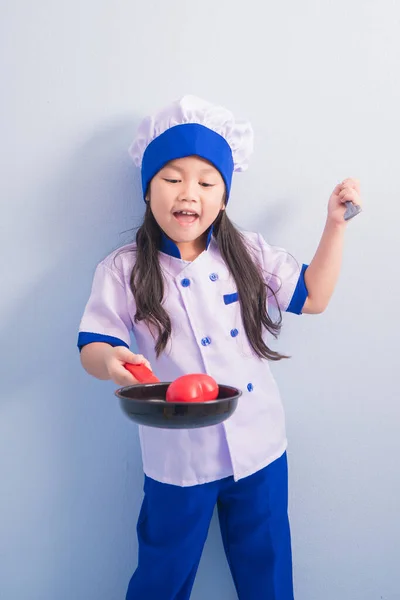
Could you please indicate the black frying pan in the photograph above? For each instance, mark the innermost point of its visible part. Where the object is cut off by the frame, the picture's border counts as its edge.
(145, 404)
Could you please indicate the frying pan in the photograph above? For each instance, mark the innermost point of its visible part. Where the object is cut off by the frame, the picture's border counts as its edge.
(145, 404)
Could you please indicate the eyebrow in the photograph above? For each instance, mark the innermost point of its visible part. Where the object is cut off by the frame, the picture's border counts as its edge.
(177, 168)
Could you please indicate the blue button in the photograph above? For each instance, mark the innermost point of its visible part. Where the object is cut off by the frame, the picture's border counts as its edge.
(234, 332)
(206, 341)
(250, 387)
(185, 282)
(214, 276)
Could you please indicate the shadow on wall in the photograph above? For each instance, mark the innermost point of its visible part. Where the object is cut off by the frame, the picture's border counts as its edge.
(65, 437)
(88, 209)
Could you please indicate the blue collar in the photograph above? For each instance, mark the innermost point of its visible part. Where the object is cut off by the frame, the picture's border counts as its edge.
(169, 247)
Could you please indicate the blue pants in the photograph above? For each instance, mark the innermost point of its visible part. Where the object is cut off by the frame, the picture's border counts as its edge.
(173, 526)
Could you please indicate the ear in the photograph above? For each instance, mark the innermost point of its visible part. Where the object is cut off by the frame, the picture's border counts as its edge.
(223, 202)
(146, 195)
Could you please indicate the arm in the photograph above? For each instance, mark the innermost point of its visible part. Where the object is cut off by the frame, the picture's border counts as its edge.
(94, 359)
(322, 274)
(104, 332)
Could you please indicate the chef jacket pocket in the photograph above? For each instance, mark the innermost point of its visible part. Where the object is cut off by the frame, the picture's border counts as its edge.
(231, 298)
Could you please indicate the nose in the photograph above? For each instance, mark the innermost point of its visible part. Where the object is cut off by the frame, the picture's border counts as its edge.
(189, 191)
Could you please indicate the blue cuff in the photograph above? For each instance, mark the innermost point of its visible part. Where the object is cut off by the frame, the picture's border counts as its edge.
(300, 294)
(85, 338)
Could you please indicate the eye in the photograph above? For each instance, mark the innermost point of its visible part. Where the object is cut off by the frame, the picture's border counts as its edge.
(172, 180)
(207, 185)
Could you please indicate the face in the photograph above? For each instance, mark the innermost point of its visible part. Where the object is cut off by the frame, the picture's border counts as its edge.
(186, 197)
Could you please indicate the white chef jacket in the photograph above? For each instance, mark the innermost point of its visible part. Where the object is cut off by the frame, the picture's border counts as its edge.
(208, 336)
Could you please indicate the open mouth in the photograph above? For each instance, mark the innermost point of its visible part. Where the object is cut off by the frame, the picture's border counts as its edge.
(186, 217)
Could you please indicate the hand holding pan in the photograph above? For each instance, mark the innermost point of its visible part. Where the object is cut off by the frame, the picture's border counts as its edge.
(141, 373)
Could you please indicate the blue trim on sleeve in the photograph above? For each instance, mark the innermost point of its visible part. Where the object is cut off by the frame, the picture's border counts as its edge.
(230, 298)
(86, 337)
(300, 294)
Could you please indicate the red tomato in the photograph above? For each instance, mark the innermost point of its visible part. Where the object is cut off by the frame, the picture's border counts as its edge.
(209, 386)
(192, 388)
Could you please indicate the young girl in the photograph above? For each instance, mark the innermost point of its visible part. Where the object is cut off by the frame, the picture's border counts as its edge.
(197, 295)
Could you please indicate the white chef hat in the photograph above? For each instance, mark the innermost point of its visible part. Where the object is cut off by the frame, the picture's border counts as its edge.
(192, 126)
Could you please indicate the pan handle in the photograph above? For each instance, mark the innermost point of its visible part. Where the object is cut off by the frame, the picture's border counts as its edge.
(141, 373)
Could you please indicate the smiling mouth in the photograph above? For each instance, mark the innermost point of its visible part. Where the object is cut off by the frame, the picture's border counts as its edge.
(186, 217)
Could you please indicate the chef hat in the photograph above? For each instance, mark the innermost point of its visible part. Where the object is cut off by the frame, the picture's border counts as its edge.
(192, 126)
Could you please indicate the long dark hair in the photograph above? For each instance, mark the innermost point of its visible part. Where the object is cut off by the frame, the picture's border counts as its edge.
(147, 284)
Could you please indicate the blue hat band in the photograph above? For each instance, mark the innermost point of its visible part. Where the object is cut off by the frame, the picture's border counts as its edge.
(189, 139)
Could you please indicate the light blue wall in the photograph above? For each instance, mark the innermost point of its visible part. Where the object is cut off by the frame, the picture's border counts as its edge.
(319, 80)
